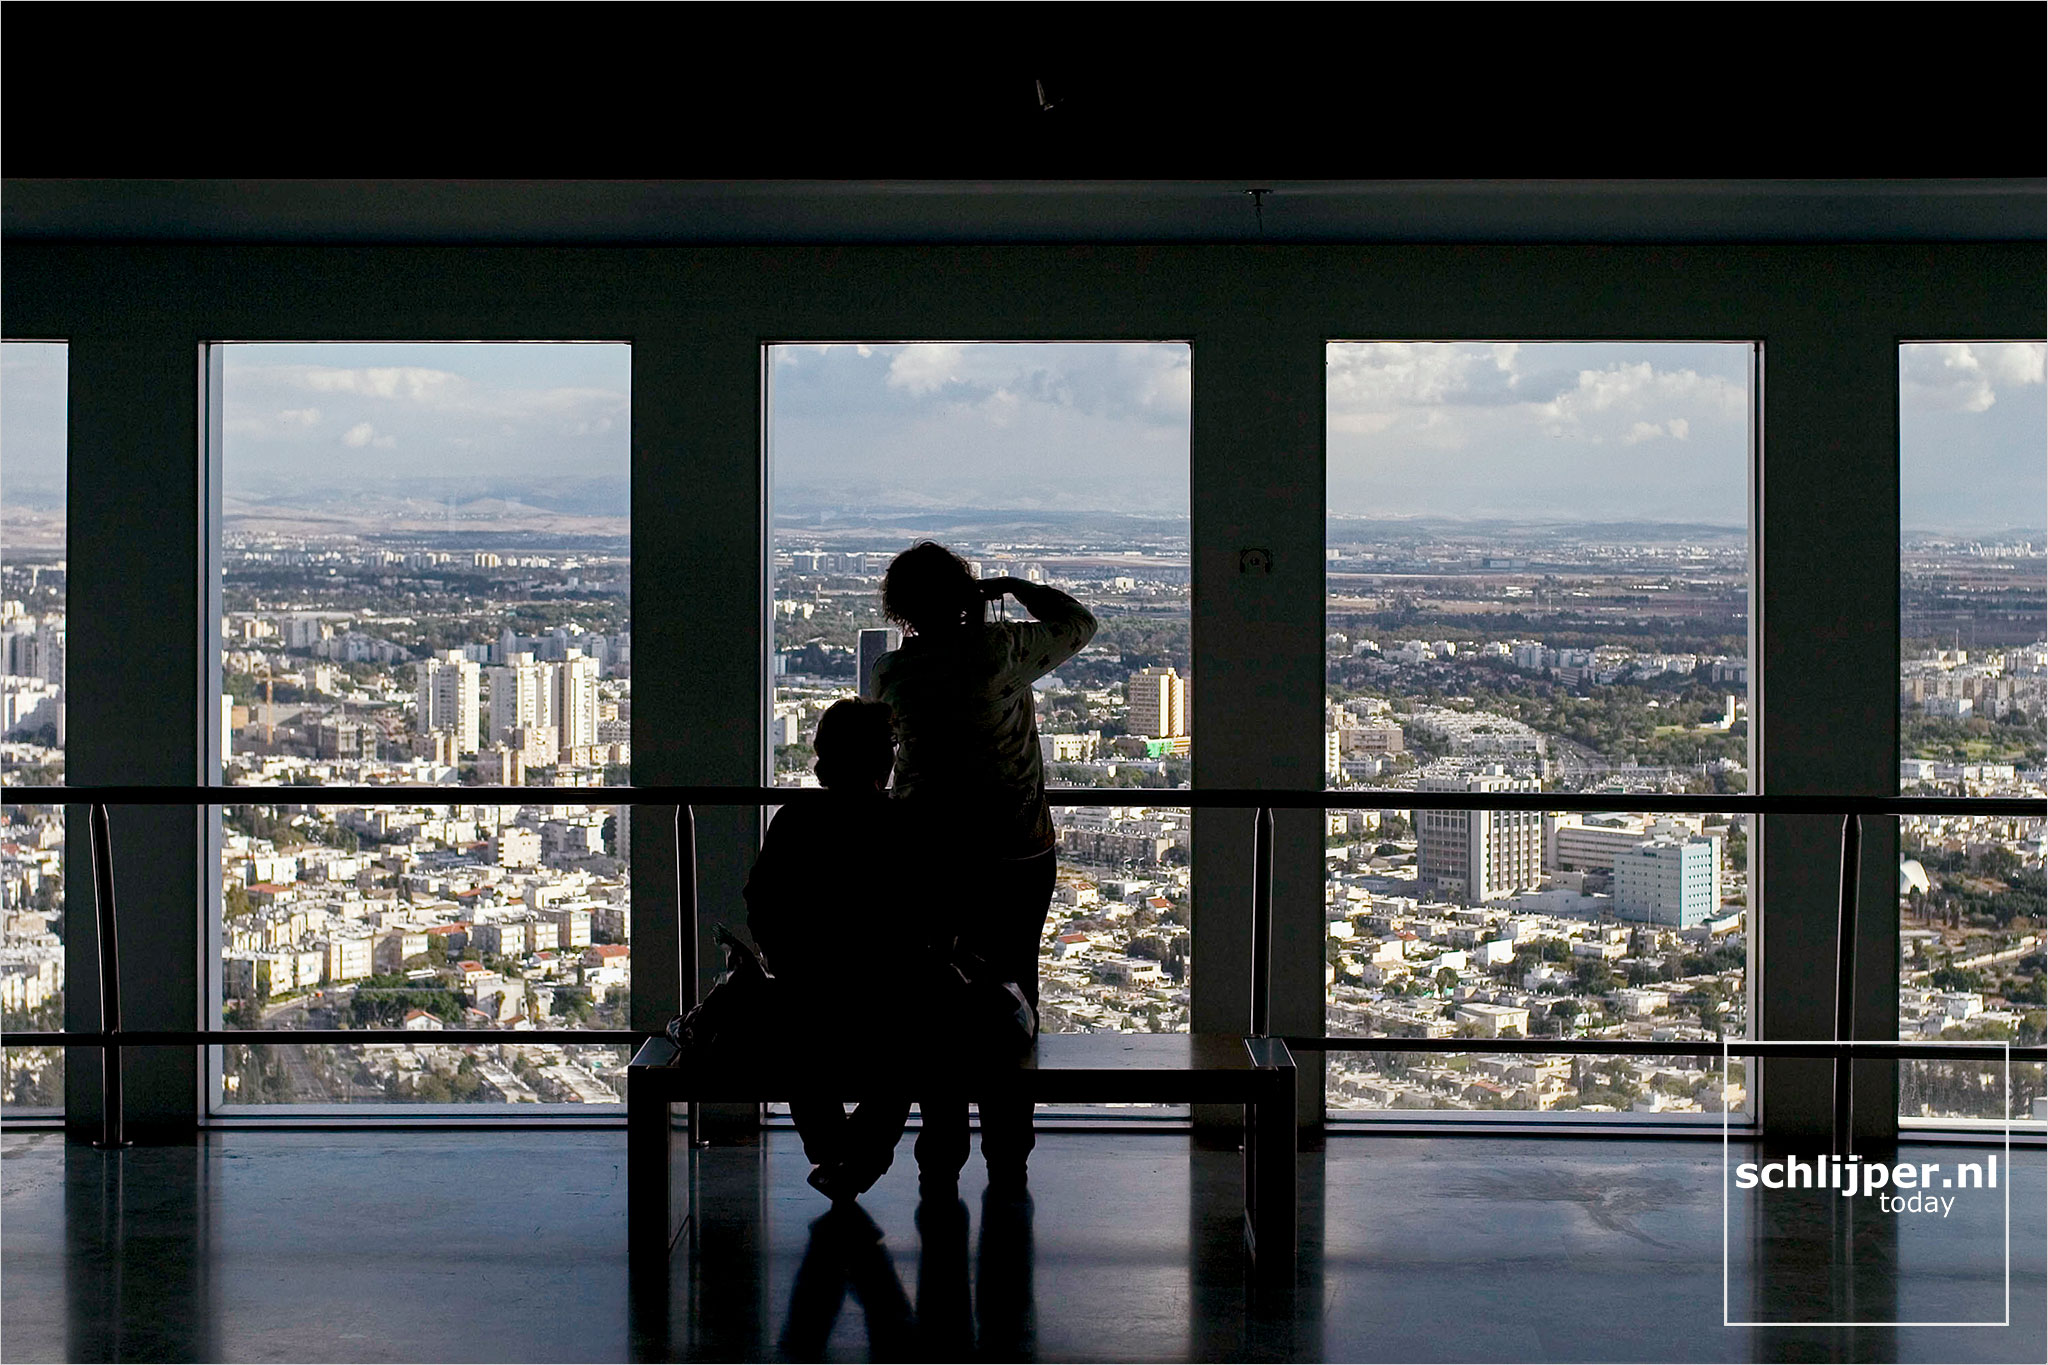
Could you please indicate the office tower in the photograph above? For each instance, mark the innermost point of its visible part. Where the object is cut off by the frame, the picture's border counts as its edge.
(1158, 702)
(1472, 856)
(449, 695)
(576, 700)
(1671, 880)
(873, 645)
(519, 696)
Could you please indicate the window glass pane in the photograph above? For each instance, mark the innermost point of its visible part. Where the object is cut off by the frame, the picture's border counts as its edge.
(1973, 700)
(33, 449)
(425, 579)
(1062, 464)
(1538, 580)
(33, 411)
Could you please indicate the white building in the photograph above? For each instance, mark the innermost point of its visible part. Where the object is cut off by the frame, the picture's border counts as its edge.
(450, 696)
(1670, 880)
(521, 697)
(575, 700)
(1592, 842)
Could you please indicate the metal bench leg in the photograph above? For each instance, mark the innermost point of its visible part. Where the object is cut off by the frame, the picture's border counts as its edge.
(1270, 1179)
(656, 1203)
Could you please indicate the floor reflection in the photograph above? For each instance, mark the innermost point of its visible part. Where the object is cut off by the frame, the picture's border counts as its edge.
(845, 1256)
(466, 1245)
(978, 1308)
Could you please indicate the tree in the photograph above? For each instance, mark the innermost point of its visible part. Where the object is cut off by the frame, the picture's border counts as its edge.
(1955, 979)
(1445, 979)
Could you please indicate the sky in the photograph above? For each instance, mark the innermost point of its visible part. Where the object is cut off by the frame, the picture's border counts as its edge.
(1085, 426)
(32, 415)
(453, 419)
(1973, 438)
(1544, 432)
(1549, 431)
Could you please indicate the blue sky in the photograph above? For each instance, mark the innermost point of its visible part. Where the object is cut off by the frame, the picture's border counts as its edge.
(1973, 438)
(1534, 431)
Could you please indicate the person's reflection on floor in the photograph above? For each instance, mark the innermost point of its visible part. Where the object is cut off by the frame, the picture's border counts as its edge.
(1005, 1306)
(945, 1315)
(846, 1253)
(1001, 1313)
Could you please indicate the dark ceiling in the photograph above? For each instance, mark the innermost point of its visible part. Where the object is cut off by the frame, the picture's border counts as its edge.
(943, 123)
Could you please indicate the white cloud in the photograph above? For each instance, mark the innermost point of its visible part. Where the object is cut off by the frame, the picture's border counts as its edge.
(1368, 379)
(924, 369)
(2014, 362)
(363, 434)
(1964, 376)
(299, 417)
(414, 383)
(1675, 429)
(1629, 389)
(1581, 430)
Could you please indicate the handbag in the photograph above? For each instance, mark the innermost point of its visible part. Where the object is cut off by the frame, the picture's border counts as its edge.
(993, 1017)
(737, 1015)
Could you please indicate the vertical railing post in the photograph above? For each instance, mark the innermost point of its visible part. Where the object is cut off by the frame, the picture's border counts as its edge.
(1262, 923)
(1845, 980)
(686, 939)
(101, 838)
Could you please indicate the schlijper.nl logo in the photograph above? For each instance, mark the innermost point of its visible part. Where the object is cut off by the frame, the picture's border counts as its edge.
(1923, 1189)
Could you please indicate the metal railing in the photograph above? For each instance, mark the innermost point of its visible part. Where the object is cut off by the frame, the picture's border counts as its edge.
(111, 1037)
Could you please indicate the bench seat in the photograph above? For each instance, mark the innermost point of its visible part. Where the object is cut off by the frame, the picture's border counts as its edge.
(1065, 1068)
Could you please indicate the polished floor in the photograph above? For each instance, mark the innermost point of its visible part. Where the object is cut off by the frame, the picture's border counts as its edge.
(480, 1245)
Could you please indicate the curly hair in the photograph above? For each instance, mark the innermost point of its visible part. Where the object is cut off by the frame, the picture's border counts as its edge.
(928, 589)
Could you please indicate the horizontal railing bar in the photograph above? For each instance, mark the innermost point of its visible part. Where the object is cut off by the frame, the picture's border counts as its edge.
(265, 1038)
(1208, 798)
(1868, 1049)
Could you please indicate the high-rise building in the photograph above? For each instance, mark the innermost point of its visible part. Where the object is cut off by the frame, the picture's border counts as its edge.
(1158, 703)
(576, 700)
(450, 699)
(519, 696)
(1472, 856)
(873, 645)
(1671, 880)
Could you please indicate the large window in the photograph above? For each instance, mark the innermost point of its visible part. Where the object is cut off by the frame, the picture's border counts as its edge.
(425, 578)
(1538, 557)
(1538, 580)
(1064, 464)
(1973, 701)
(32, 718)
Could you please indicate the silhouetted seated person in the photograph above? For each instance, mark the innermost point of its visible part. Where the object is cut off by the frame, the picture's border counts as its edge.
(820, 904)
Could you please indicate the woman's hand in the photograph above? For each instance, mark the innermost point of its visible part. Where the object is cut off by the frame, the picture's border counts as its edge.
(993, 588)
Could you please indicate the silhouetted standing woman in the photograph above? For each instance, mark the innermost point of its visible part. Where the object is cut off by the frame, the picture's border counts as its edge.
(967, 756)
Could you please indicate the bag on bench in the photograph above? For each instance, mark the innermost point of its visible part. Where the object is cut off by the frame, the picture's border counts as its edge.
(737, 1017)
(993, 1016)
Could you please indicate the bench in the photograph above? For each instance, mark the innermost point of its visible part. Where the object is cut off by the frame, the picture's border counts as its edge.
(1066, 1068)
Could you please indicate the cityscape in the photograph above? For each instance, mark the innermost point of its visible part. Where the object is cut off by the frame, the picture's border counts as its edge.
(479, 634)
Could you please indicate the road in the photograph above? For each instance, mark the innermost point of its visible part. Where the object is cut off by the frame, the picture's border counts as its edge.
(306, 1085)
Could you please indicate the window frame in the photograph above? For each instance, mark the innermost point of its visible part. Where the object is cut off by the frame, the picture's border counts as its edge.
(1827, 317)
